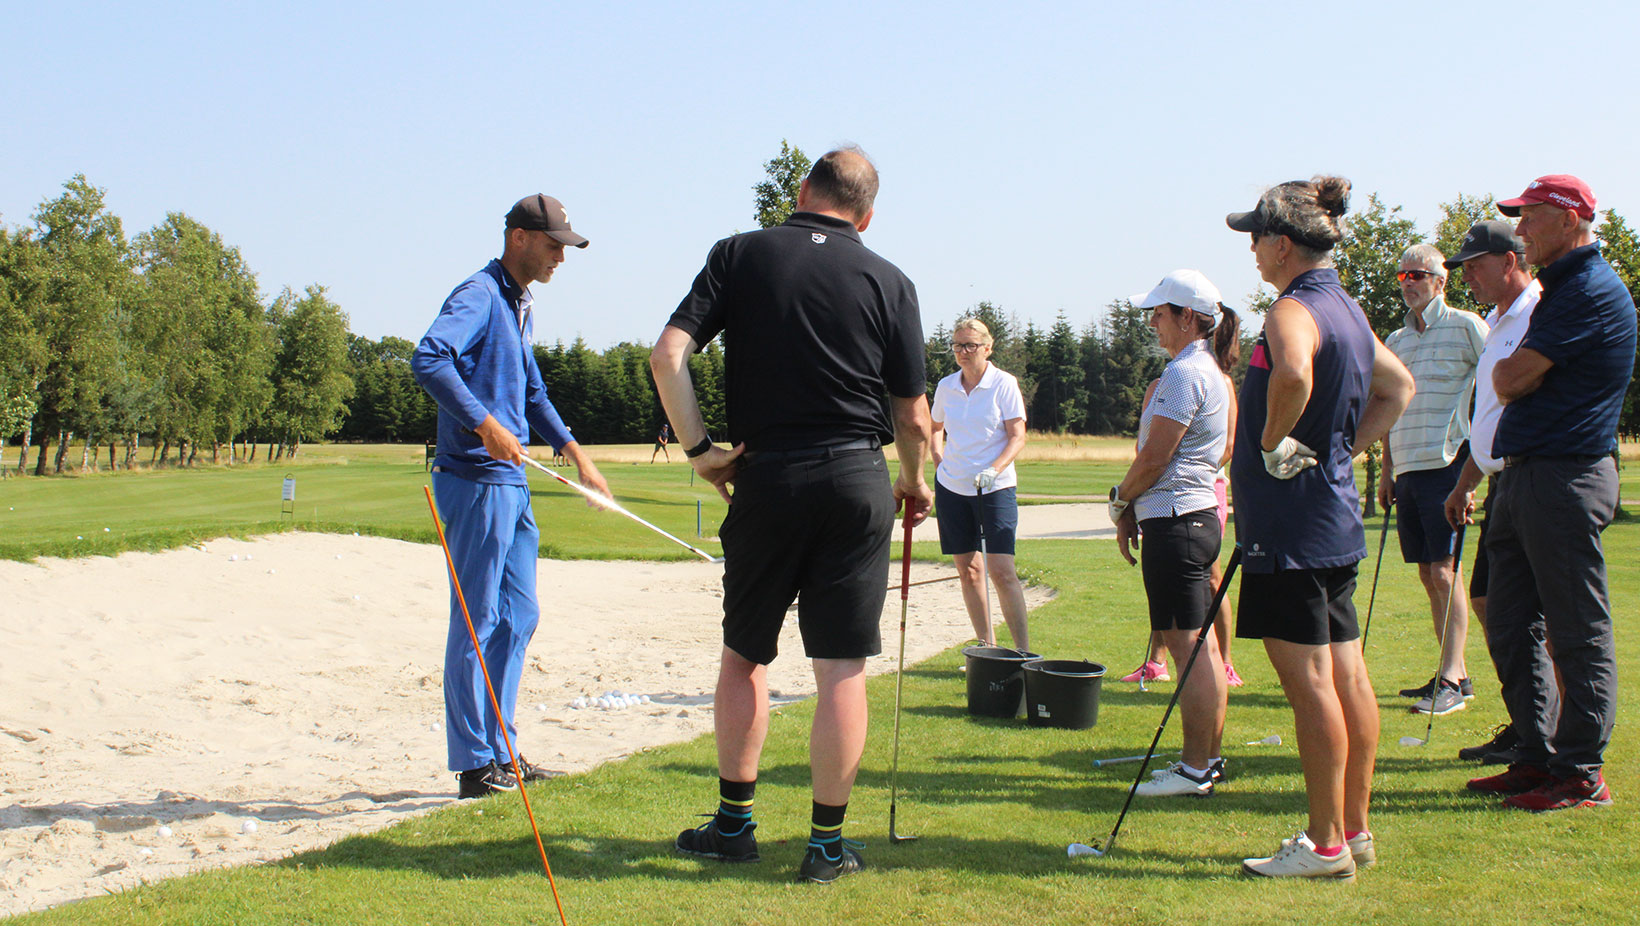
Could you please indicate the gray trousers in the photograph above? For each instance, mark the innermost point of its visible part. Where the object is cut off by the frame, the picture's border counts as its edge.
(1548, 584)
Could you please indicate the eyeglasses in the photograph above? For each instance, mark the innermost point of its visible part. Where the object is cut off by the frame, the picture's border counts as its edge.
(1405, 275)
(967, 347)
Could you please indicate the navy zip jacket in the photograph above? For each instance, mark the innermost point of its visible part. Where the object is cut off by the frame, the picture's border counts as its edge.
(476, 361)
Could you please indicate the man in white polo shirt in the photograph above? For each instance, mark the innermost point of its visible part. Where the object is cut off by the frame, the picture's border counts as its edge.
(1493, 259)
(1424, 454)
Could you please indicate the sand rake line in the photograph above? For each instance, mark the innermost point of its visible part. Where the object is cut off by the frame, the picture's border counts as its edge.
(472, 634)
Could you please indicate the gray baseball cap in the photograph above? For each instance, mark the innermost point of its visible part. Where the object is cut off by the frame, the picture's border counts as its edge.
(543, 213)
(1487, 237)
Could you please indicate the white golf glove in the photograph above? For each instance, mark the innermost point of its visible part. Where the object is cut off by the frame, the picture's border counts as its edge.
(1117, 507)
(986, 479)
(1288, 459)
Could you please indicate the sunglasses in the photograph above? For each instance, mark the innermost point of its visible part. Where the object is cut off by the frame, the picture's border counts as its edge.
(1405, 275)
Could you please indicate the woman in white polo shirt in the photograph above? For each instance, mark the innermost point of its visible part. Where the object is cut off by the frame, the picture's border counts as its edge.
(979, 427)
(1167, 497)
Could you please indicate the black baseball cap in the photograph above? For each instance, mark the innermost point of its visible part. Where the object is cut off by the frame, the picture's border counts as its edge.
(543, 213)
(1486, 237)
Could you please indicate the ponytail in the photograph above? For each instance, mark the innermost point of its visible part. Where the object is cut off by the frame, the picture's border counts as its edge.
(1227, 339)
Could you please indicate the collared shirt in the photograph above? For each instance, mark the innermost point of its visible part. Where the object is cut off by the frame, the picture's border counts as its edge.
(1585, 326)
(1507, 325)
(1442, 360)
(1192, 392)
(475, 361)
(817, 330)
(974, 427)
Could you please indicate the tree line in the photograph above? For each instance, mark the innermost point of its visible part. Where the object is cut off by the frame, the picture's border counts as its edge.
(163, 340)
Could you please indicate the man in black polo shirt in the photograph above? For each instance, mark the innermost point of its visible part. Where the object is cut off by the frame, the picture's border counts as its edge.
(1562, 392)
(817, 331)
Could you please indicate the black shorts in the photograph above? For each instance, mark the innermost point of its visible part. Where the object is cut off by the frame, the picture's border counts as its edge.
(1480, 571)
(1420, 508)
(1308, 606)
(1177, 555)
(960, 519)
(812, 530)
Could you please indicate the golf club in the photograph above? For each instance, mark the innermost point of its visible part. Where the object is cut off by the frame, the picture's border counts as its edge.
(1456, 548)
(1273, 739)
(1372, 599)
(613, 505)
(1077, 849)
(985, 568)
(899, 684)
(455, 582)
(1122, 760)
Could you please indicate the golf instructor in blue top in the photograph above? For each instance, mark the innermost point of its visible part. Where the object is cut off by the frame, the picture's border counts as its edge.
(477, 363)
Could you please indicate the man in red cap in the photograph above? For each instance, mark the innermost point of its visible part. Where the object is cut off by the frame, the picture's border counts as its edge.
(1562, 392)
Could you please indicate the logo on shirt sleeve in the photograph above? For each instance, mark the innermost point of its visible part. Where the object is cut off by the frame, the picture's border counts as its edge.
(817, 238)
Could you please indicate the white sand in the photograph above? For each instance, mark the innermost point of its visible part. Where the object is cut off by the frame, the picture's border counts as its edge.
(297, 688)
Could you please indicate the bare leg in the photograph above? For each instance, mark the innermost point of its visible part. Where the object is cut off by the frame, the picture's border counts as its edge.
(1306, 674)
(973, 596)
(1202, 701)
(1158, 649)
(1011, 594)
(839, 733)
(1438, 579)
(1222, 624)
(740, 715)
(1360, 706)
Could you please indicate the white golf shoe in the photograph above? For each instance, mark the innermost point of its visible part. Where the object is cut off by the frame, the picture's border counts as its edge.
(1362, 849)
(1174, 781)
(1297, 858)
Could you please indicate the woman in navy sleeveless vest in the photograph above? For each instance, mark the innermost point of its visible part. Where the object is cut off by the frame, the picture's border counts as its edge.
(1320, 387)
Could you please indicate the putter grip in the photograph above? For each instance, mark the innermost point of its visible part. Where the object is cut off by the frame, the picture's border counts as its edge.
(905, 562)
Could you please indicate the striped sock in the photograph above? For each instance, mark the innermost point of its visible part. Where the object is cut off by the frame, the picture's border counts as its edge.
(734, 805)
(826, 829)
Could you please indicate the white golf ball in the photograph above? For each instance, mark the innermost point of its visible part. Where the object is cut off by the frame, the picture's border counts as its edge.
(435, 728)
(643, 699)
(1077, 850)
(145, 851)
(338, 556)
(233, 558)
(105, 530)
(165, 831)
(541, 707)
(247, 557)
(357, 598)
(249, 827)
(78, 537)
(270, 572)
(578, 703)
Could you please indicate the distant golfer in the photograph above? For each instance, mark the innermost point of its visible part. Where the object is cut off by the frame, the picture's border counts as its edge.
(662, 438)
(1320, 388)
(476, 362)
(819, 330)
(979, 428)
(1167, 496)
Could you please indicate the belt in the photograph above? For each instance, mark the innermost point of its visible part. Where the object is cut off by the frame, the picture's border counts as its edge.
(825, 452)
(1584, 458)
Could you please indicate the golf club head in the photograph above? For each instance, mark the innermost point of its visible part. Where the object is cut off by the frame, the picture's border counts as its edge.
(1413, 741)
(1273, 739)
(896, 838)
(1078, 850)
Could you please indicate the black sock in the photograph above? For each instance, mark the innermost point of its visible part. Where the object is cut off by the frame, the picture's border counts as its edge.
(734, 805)
(826, 828)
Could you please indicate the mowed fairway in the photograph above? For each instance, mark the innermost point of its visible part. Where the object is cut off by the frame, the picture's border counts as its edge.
(994, 802)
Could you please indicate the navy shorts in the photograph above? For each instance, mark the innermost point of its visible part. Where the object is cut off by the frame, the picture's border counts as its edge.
(1420, 507)
(815, 531)
(1177, 556)
(960, 517)
(1308, 606)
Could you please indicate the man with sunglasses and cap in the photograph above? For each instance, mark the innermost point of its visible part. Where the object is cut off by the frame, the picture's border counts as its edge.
(1562, 393)
(1493, 261)
(476, 361)
(1425, 453)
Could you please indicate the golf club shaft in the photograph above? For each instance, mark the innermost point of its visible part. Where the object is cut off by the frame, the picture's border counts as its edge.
(478, 651)
(1119, 760)
(1201, 637)
(985, 566)
(613, 505)
(1383, 535)
(899, 678)
(1456, 549)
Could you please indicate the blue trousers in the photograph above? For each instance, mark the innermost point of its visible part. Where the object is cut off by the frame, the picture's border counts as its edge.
(494, 543)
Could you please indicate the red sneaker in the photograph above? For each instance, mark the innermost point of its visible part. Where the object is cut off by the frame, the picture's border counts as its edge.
(1517, 779)
(1563, 794)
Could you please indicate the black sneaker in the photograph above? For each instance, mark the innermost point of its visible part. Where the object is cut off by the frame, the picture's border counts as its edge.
(1217, 768)
(1421, 691)
(485, 780)
(707, 841)
(533, 772)
(819, 868)
(1502, 738)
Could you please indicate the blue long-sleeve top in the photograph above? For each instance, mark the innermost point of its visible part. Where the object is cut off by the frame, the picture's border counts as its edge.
(476, 361)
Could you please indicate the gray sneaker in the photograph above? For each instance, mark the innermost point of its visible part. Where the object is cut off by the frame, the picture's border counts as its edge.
(1448, 699)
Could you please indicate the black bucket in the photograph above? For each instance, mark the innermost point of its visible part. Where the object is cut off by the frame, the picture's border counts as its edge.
(996, 686)
(1062, 693)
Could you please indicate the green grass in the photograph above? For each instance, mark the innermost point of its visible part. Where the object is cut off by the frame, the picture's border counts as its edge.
(994, 802)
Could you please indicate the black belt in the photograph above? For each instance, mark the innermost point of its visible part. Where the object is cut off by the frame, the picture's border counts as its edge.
(825, 452)
(1583, 458)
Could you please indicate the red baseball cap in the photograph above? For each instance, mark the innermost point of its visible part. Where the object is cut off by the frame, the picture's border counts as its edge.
(1563, 190)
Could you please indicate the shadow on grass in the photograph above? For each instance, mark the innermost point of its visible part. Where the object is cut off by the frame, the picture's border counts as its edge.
(117, 816)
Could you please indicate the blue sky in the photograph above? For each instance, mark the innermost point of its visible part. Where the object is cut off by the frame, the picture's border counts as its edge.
(1046, 157)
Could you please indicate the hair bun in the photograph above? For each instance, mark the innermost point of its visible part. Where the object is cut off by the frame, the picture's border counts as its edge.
(1332, 194)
